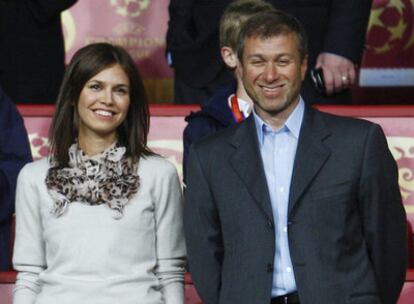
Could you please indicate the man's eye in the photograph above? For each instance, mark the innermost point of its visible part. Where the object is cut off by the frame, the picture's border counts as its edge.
(283, 62)
(257, 62)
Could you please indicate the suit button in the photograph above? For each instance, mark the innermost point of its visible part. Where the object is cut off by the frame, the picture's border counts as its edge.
(270, 224)
(269, 267)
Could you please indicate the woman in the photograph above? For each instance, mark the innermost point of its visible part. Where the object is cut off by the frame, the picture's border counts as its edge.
(101, 220)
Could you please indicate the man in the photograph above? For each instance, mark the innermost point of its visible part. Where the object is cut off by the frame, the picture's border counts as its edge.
(14, 153)
(292, 205)
(336, 29)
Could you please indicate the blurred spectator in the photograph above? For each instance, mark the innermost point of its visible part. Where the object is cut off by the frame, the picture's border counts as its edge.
(32, 49)
(336, 33)
(193, 47)
(336, 36)
(14, 153)
(230, 104)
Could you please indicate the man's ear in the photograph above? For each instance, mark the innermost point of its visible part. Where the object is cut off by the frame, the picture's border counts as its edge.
(304, 67)
(229, 57)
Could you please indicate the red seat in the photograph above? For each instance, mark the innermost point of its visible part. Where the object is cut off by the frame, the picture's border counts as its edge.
(191, 296)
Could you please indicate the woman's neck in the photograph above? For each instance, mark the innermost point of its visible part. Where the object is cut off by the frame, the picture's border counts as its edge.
(94, 145)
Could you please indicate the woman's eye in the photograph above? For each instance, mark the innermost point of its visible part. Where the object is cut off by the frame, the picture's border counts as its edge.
(95, 87)
(122, 91)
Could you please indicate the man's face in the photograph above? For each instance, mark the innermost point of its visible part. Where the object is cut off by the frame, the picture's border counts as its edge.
(272, 73)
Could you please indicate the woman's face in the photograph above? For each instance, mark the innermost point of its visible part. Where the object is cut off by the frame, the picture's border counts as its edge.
(103, 104)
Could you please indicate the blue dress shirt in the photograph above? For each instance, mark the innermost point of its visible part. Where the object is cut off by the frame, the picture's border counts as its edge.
(278, 149)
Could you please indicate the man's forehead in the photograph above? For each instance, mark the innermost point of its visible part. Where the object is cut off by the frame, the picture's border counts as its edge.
(262, 38)
(255, 43)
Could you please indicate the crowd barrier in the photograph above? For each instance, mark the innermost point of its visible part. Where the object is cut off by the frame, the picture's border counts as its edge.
(167, 124)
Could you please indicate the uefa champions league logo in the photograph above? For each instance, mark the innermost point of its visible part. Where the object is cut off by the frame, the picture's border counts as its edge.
(130, 8)
(391, 26)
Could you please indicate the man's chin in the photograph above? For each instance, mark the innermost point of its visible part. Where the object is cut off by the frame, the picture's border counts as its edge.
(274, 104)
(279, 105)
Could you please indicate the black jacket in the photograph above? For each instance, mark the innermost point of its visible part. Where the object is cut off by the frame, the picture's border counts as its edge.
(31, 49)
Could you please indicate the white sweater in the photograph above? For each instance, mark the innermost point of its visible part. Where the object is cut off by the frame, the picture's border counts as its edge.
(87, 256)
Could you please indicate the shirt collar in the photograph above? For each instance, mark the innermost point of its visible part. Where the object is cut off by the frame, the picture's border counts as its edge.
(292, 124)
(244, 106)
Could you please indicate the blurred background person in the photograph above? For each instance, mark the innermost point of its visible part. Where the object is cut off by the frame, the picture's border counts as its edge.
(336, 31)
(230, 104)
(193, 49)
(32, 58)
(14, 153)
(103, 209)
(336, 34)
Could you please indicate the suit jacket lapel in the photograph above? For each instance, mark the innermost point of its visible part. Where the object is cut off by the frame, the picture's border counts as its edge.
(310, 156)
(247, 163)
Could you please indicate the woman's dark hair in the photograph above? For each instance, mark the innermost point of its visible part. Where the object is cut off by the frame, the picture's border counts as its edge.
(86, 63)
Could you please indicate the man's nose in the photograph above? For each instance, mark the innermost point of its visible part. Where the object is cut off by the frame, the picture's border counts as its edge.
(271, 73)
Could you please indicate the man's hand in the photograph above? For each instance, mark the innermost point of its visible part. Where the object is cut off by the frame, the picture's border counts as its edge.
(339, 72)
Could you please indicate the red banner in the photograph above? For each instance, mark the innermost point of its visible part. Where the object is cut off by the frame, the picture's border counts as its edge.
(138, 25)
(400, 137)
(389, 57)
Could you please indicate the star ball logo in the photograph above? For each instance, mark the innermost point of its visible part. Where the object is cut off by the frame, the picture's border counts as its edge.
(391, 26)
(130, 8)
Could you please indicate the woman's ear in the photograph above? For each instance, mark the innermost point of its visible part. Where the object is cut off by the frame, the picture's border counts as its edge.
(229, 57)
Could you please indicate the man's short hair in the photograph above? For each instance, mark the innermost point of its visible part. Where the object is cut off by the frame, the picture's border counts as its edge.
(235, 15)
(271, 24)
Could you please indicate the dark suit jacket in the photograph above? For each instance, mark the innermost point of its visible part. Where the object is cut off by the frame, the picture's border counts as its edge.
(334, 26)
(32, 56)
(346, 220)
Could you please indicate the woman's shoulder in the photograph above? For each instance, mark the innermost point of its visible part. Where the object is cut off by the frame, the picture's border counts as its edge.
(158, 174)
(33, 173)
(39, 164)
(156, 164)
(36, 168)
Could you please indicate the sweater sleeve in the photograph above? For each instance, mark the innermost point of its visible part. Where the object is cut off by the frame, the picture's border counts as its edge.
(170, 244)
(29, 250)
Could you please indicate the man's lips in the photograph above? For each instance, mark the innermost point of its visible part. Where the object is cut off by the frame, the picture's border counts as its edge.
(272, 89)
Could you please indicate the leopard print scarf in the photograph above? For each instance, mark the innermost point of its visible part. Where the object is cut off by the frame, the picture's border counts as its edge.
(107, 178)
